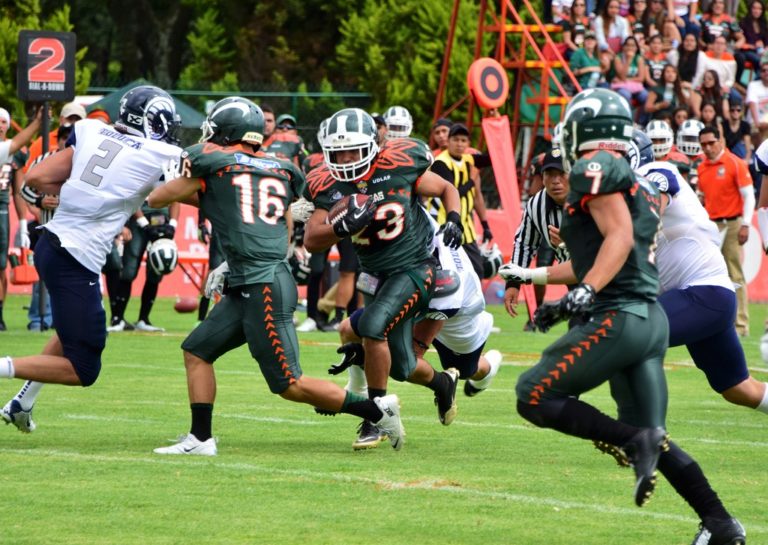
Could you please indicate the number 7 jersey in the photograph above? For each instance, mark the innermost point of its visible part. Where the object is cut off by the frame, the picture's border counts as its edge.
(245, 196)
(400, 235)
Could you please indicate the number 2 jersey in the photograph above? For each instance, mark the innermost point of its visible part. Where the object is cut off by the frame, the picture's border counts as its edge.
(602, 173)
(245, 196)
(112, 173)
(400, 236)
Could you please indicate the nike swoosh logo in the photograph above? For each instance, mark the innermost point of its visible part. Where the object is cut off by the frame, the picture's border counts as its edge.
(359, 212)
(91, 283)
(245, 295)
(189, 449)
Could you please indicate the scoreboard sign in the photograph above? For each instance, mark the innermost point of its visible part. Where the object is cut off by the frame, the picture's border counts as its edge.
(46, 67)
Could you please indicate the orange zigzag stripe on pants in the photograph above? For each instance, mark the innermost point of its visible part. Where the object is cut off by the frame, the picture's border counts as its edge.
(277, 344)
(571, 358)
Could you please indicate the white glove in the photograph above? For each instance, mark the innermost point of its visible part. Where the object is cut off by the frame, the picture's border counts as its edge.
(23, 235)
(215, 281)
(516, 273)
(171, 170)
(301, 210)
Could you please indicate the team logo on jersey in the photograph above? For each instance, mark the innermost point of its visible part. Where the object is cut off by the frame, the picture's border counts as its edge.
(720, 172)
(264, 164)
(362, 186)
(336, 196)
(380, 179)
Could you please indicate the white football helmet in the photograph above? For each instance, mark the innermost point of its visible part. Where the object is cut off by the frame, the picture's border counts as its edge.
(557, 136)
(163, 255)
(350, 129)
(688, 137)
(662, 137)
(399, 122)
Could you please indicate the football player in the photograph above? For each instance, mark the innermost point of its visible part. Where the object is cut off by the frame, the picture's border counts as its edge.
(391, 237)
(246, 195)
(107, 173)
(399, 122)
(610, 230)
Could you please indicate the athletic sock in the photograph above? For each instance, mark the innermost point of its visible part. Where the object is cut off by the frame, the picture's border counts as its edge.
(373, 393)
(6, 367)
(1, 310)
(357, 405)
(28, 394)
(763, 406)
(148, 295)
(339, 314)
(202, 414)
(357, 382)
(439, 382)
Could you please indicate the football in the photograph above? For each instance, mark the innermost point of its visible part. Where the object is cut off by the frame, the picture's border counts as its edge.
(185, 304)
(345, 204)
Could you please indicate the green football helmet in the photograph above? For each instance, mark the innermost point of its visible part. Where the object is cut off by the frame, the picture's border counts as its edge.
(232, 120)
(596, 119)
(350, 129)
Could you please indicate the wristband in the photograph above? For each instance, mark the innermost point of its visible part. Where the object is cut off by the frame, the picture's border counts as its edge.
(142, 221)
(485, 225)
(23, 225)
(511, 284)
(539, 276)
(173, 223)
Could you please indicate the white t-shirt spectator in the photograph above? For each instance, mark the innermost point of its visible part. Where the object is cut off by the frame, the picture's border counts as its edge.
(757, 94)
(725, 67)
(618, 31)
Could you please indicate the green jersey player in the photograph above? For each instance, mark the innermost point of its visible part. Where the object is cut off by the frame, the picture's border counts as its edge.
(609, 225)
(392, 238)
(246, 195)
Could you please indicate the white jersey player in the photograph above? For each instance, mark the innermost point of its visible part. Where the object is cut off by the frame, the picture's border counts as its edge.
(103, 177)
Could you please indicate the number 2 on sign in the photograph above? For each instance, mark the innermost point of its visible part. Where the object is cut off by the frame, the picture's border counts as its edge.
(48, 69)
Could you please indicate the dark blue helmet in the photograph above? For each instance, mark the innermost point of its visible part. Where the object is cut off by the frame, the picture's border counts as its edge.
(640, 150)
(150, 112)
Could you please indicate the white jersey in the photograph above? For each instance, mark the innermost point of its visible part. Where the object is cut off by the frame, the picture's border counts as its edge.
(688, 245)
(5, 151)
(112, 174)
(467, 325)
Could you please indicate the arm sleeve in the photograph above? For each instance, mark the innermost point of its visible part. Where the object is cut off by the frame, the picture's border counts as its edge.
(442, 170)
(482, 160)
(748, 195)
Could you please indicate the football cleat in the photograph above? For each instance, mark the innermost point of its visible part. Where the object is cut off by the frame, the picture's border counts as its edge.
(390, 422)
(12, 413)
(612, 450)
(141, 325)
(190, 445)
(121, 325)
(368, 436)
(643, 452)
(446, 400)
(720, 532)
(307, 325)
(474, 387)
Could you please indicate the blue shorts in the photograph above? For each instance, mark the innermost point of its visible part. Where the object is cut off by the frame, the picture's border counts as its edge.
(465, 363)
(78, 313)
(702, 318)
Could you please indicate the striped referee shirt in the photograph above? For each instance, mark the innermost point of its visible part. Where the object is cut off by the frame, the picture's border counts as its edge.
(541, 211)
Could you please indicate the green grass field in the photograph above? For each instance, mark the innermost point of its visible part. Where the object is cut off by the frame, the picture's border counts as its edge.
(284, 475)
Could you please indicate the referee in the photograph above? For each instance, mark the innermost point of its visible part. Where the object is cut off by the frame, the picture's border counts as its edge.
(540, 226)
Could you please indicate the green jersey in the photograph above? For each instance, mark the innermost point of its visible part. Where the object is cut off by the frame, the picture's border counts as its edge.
(602, 173)
(245, 196)
(400, 235)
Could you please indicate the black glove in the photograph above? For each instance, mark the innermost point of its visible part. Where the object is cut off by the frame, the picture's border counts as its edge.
(452, 231)
(203, 233)
(357, 218)
(487, 234)
(300, 269)
(577, 302)
(155, 232)
(353, 355)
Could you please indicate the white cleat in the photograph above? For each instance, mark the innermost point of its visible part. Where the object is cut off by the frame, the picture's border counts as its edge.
(141, 325)
(12, 413)
(307, 325)
(122, 325)
(190, 445)
(390, 423)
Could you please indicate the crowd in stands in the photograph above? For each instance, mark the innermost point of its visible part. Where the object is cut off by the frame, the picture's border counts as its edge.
(674, 59)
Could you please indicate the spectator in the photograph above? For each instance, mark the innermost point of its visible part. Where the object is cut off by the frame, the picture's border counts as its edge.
(636, 12)
(655, 60)
(710, 118)
(757, 104)
(721, 61)
(755, 29)
(561, 10)
(737, 133)
(709, 91)
(679, 116)
(438, 136)
(667, 95)
(574, 30)
(718, 23)
(611, 29)
(687, 61)
(729, 199)
(685, 16)
(657, 15)
(585, 62)
(629, 74)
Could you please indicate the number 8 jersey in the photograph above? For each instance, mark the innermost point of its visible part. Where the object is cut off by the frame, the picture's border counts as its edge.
(400, 235)
(245, 196)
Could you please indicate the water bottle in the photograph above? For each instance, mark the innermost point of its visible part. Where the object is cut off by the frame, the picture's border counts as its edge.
(594, 77)
(669, 93)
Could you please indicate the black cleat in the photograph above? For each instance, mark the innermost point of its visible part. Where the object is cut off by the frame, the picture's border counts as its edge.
(529, 326)
(720, 532)
(471, 391)
(2, 326)
(643, 452)
(612, 450)
(368, 436)
(446, 400)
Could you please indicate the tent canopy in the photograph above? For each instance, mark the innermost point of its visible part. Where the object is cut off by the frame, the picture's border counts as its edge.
(190, 118)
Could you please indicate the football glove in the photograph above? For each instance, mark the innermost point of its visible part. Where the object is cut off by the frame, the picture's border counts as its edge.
(171, 170)
(203, 233)
(299, 262)
(215, 281)
(155, 232)
(487, 234)
(301, 210)
(353, 355)
(452, 231)
(578, 302)
(521, 275)
(23, 234)
(356, 219)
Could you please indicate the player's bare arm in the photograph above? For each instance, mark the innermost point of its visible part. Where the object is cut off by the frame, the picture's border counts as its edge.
(179, 190)
(48, 175)
(614, 221)
(433, 185)
(319, 235)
